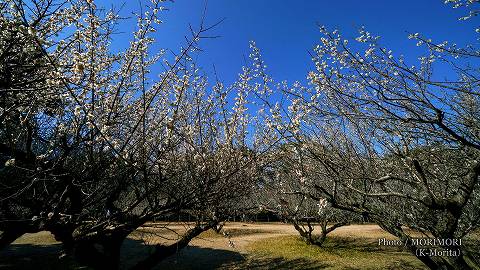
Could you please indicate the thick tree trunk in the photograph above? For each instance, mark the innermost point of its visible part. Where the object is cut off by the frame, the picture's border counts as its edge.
(310, 238)
(162, 252)
(320, 239)
(306, 236)
(99, 250)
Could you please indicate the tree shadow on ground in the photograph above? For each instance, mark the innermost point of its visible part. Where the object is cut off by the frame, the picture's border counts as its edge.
(360, 244)
(190, 257)
(193, 257)
(46, 257)
(41, 257)
(200, 258)
(279, 263)
(197, 258)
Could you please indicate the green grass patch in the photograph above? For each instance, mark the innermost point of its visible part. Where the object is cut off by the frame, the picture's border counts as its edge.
(337, 253)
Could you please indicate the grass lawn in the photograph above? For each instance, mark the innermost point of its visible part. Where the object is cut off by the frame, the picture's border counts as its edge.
(337, 253)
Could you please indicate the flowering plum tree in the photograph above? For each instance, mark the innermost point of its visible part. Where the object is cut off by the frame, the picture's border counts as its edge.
(93, 146)
(397, 143)
(287, 187)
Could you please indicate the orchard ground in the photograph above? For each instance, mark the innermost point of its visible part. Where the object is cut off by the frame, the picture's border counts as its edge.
(245, 246)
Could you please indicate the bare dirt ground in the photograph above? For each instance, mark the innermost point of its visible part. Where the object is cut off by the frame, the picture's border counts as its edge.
(242, 234)
(209, 251)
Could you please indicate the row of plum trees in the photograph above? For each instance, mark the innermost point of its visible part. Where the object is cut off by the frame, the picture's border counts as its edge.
(374, 138)
(93, 145)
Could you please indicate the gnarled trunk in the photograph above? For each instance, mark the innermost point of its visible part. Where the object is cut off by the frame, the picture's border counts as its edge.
(99, 249)
(307, 233)
(162, 252)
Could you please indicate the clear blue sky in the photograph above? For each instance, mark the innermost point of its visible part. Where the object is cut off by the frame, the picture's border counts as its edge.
(285, 30)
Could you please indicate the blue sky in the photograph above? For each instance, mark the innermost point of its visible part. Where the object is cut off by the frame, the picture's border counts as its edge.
(286, 30)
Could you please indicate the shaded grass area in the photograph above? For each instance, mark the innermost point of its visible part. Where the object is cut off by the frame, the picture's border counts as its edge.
(337, 253)
(200, 258)
(34, 256)
(36, 251)
(41, 251)
(190, 257)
